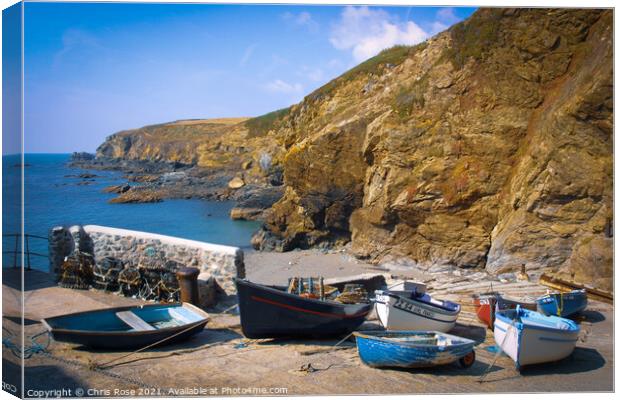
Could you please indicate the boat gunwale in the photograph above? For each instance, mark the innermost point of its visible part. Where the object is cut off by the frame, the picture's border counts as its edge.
(271, 289)
(506, 298)
(581, 293)
(369, 336)
(422, 304)
(171, 329)
(485, 294)
(573, 327)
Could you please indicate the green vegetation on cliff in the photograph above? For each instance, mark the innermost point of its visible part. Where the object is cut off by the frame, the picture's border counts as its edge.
(259, 126)
(387, 58)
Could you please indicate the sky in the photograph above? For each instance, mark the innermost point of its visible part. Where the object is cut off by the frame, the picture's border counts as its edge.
(94, 69)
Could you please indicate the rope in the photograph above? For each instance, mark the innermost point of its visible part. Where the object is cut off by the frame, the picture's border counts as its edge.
(27, 351)
(101, 366)
(36, 348)
(89, 366)
(340, 342)
(226, 311)
(499, 353)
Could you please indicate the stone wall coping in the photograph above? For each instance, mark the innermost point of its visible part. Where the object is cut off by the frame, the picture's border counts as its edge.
(216, 248)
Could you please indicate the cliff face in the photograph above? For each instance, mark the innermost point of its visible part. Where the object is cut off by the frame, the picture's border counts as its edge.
(489, 145)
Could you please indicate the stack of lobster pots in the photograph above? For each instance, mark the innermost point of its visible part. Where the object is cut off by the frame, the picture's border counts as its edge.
(152, 279)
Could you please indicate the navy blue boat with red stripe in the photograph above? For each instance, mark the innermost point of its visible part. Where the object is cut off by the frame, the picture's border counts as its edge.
(272, 312)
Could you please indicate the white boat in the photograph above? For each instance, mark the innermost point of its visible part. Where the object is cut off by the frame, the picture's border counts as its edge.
(414, 311)
(408, 286)
(529, 337)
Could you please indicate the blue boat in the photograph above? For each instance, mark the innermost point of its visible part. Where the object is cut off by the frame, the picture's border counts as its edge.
(128, 327)
(563, 304)
(411, 349)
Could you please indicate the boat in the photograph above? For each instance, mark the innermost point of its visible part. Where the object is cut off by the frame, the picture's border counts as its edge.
(410, 349)
(563, 304)
(128, 327)
(272, 312)
(486, 304)
(529, 337)
(412, 311)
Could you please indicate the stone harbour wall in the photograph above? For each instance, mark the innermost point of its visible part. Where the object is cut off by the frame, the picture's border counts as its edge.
(222, 263)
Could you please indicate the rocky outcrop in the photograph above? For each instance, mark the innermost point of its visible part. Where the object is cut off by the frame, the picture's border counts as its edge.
(224, 144)
(490, 145)
(216, 159)
(137, 195)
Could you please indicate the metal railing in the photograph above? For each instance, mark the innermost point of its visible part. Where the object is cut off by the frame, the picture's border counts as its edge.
(16, 252)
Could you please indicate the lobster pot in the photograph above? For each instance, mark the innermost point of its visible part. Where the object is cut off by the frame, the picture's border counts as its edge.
(353, 294)
(76, 271)
(168, 289)
(105, 274)
(129, 281)
(158, 284)
(311, 288)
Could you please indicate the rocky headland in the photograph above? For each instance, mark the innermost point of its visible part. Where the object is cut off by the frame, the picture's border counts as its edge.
(489, 146)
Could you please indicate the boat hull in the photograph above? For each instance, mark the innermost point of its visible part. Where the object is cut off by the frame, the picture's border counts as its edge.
(485, 309)
(378, 350)
(563, 304)
(120, 340)
(486, 304)
(529, 344)
(401, 314)
(267, 312)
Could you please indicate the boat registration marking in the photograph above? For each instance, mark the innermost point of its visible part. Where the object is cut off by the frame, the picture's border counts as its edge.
(407, 306)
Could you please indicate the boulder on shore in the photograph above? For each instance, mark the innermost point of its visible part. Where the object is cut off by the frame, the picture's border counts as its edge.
(138, 195)
(236, 183)
(117, 189)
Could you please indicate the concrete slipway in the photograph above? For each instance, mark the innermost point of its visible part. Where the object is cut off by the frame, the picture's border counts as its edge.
(220, 361)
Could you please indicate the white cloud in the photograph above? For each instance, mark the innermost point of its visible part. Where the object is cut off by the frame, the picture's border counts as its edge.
(366, 32)
(279, 86)
(437, 27)
(447, 15)
(73, 39)
(303, 18)
(314, 74)
(444, 18)
(247, 54)
(335, 63)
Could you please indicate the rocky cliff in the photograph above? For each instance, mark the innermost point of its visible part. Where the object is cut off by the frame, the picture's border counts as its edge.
(489, 145)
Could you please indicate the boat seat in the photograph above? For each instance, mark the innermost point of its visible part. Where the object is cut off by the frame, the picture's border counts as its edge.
(134, 321)
(180, 315)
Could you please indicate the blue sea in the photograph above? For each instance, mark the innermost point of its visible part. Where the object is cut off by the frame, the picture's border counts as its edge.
(53, 197)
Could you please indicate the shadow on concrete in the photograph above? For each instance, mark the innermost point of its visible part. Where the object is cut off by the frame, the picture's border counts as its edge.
(42, 377)
(590, 316)
(452, 369)
(205, 337)
(476, 333)
(33, 279)
(203, 340)
(581, 360)
(18, 320)
(371, 326)
(50, 377)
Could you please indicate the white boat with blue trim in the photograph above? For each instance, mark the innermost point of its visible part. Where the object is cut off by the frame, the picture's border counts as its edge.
(529, 337)
(412, 311)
